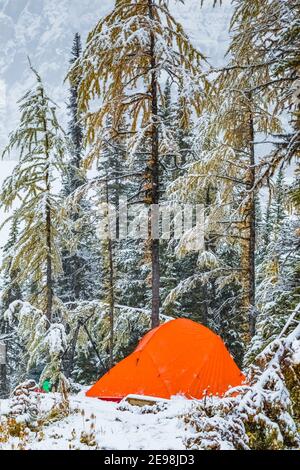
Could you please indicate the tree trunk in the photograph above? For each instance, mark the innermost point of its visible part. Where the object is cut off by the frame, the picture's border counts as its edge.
(154, 167)
(111, 287)
(49, 285)
(252, 224)
(94, 345)
(48, 228)
(3, 371)
(3, 382)
(111, 304)
(209, 245)
(68, 363)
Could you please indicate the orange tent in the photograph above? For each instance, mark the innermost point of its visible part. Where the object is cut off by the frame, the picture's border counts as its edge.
(178, 357)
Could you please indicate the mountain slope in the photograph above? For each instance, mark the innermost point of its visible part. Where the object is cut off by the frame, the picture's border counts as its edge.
(44, 30)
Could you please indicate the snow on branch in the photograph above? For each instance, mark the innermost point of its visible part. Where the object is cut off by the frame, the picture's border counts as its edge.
(260, 415)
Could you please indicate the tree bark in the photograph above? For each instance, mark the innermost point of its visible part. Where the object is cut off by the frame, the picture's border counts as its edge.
(70, 355)
(111, 286)
(3, 371)
(49, 279)
(252, 224)
(154, 167)
(94, 345)
(48, 227)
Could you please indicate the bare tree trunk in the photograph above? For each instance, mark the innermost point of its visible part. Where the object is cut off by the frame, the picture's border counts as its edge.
(209, 245)
(94, 345)
(68, 365)
(154, 166)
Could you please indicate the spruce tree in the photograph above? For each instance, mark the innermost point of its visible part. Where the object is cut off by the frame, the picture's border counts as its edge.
(11, 290)
(80, 257)
(110, 168)
(76, 131)
(278, 272)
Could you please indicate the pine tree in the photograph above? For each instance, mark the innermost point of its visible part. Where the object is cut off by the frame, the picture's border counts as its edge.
(277, 208)
(41, 145)
(144, 49)
(173, 269)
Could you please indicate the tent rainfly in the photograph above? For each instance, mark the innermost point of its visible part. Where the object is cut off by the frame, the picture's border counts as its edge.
(178, 357)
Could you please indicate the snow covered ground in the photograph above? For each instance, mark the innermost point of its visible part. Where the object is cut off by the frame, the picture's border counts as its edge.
(117, 426)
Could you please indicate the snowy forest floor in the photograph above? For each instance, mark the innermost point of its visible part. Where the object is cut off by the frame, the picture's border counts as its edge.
(262, 414)
(96, 424)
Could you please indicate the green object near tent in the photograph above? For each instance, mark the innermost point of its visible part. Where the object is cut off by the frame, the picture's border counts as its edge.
(47, 386)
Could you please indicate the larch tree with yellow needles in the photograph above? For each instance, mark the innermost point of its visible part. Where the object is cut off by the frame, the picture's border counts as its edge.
(259, 89)
(128, 56)
(229, 163)
(39, 143)
(231, 166)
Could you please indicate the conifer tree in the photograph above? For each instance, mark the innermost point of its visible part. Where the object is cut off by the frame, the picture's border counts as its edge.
(243, 113)
(130, 280)
(265, 55)
(278, 272)
(11, 290)
(79, 252)
(75, 126)
(109, 170)
(136, 44)
(275, 58)
(40, 142)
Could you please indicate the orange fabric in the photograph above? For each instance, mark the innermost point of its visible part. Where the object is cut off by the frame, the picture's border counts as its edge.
(178, 357)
